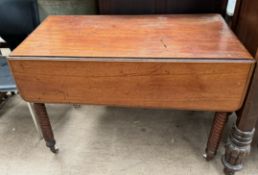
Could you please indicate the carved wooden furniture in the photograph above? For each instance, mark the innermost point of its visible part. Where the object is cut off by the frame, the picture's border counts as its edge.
(244, 24)
(239, 143)
(191, 62)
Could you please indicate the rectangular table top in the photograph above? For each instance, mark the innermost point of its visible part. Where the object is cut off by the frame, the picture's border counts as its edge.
(145, 36)
(163, 61)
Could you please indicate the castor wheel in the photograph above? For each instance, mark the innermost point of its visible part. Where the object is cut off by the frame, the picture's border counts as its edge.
(54, 149)
(51, 145)
(208, 157)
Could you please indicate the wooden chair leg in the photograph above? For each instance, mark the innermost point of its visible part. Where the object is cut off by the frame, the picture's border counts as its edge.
(237, 148)
(45, 125)
(219, 122)
(239, 142)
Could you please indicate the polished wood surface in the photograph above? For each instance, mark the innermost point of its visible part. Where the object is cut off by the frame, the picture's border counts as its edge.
(218, 125)
(176, 61)
(42, 117)
(167, 36)
(246, 24)
(160, 6)
(212, 86)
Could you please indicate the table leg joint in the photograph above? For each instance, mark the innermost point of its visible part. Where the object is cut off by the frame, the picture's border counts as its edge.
(237, 148)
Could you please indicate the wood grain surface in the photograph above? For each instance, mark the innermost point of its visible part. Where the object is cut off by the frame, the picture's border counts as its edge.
(211, 86)
(176, 61)
(160, 36)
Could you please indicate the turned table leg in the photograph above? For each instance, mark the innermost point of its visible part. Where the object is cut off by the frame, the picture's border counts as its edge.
(237, 148)
(219, 122)
(239, 142)
(45, 125)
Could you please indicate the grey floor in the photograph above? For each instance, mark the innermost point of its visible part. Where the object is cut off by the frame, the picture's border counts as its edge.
(98, 140)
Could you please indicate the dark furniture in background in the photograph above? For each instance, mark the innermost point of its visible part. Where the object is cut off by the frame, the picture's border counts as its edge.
(161, 6)
(18, 18)
(245, 24)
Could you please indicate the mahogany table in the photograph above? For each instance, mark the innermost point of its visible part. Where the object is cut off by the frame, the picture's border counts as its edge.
(190, 62)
